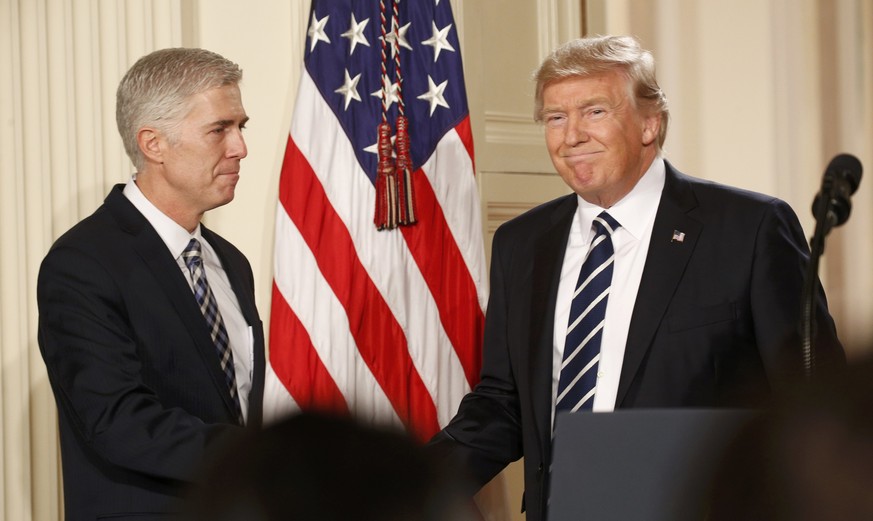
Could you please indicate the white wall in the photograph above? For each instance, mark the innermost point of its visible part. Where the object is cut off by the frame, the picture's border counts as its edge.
(266, 38)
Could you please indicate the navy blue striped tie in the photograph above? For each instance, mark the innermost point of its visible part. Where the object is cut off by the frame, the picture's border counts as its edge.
(578, 377)
(209, 308)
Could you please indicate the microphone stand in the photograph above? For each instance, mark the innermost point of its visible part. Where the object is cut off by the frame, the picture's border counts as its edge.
(824, 222)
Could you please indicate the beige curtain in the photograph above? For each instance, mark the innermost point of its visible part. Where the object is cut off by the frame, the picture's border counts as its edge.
(846, 32)
(60, 61)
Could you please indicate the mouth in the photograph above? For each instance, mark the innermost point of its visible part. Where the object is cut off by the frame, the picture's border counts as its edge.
(229, 179)
(580, 157)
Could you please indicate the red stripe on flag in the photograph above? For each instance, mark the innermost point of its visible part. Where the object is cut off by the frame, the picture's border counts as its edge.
(466, 134)
(379, 337)
(297, 364)
(435, 251)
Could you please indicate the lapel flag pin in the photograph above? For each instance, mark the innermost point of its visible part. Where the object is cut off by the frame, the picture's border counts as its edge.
(678, 236)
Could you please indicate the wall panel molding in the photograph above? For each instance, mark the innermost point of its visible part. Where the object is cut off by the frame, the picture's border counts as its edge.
(557, 22)
(503, 128)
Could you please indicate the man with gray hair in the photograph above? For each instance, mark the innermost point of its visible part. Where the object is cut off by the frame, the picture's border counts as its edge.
(147, 319)
(644, 288)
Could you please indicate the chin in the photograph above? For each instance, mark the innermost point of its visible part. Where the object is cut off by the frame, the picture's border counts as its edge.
(580, 181)
(225, 198)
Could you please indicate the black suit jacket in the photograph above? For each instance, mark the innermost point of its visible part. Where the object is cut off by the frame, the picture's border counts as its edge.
(140, 392)
(712, 323)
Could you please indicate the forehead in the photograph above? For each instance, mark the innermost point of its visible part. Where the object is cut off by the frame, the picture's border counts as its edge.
(224, 102)
(611, 86)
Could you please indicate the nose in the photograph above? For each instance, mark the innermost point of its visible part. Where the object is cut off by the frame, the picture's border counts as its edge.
(576, 131)
(236, 145)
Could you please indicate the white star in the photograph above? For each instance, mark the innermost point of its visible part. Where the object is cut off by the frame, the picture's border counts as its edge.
(390, 92)
(397, 37)
(355, 34)
(374, 148)
(439, 40)
(316, 31)
(350, 89)
(434, 94)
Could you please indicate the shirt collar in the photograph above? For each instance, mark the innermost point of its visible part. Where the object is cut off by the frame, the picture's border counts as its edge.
(174, 236)
(636, 210)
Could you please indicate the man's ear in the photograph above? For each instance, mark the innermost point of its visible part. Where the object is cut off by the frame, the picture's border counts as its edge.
(651, 128)
(150, 144)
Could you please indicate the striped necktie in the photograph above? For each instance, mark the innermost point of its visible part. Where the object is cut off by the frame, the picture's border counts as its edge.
(209, 308)
(578, 377)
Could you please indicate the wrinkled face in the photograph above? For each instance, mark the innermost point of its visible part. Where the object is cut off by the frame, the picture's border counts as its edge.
(600, 143)
(201, 162)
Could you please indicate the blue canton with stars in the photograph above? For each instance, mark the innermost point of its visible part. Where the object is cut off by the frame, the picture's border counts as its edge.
(344, 59)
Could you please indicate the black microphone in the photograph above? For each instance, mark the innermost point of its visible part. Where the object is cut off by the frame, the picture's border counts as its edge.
(831, 207)
(841, 179)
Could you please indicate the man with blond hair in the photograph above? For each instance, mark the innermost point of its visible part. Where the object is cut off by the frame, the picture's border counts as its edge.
(644, 288)
(147, 319)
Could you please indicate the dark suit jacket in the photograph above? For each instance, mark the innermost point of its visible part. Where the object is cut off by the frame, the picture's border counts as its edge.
(140, 392)
(711, 325)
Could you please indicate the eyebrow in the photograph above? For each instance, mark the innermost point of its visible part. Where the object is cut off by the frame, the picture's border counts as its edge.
(600, 100)
(227, 122)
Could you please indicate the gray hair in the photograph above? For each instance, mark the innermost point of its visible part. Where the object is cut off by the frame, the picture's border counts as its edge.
(155, 91)
(588, 56)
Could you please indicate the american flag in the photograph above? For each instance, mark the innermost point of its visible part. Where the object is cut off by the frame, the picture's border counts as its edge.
(385, 325)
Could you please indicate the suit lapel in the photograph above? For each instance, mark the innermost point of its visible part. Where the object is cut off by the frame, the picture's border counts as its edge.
(169, 278)
(665, 263)
(547, 261)
(234, 270)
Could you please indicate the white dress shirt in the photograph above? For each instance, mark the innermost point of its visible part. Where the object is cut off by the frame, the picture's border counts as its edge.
(238, 330)
(636, 214)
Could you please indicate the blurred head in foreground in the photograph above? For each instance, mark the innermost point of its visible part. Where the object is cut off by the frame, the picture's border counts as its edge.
(312, 467)
(808, 459)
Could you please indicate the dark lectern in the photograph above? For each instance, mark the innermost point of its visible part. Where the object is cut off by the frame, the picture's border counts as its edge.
(638, 464)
